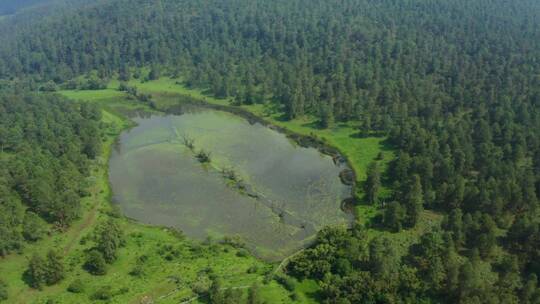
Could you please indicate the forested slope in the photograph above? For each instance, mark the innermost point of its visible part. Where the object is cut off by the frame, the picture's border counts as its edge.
(454, 85)
(45, 147)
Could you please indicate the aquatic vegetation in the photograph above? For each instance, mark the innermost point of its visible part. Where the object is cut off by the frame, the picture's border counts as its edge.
(188, 142)
(203, 156)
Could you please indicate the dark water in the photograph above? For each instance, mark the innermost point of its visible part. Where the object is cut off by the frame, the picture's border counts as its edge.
(282, 195)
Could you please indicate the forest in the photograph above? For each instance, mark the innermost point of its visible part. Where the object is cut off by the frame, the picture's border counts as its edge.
(452, 86)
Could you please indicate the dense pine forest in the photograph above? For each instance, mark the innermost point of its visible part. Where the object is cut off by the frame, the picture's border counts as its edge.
(46, 144)
(453, 85)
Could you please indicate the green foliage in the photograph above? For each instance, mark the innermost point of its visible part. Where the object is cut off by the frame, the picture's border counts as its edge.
(286, 281)
(219, 295)
(42, 271)
(3, 291)
(452, 84)
(47, 144)
(414, 201)
(154, 73)
(254, 296)
(77, 286)
(203, 156)
(49, 87)
(394, 216)
(95, 263)
(104, 293)
(36, 275)
(109, 239)
(373, 183)
(55, 268)
(34, 228)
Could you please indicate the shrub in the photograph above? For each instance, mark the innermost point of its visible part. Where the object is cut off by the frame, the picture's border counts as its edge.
(95, 263)
(3, 291)
(103, 293)
(253, 269)
(242, 253)
(76, 286)
(137, 271)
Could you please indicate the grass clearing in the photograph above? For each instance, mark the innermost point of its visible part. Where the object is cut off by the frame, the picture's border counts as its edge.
(92, 95)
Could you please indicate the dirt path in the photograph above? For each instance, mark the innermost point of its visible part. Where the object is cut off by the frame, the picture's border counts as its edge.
(88, 221)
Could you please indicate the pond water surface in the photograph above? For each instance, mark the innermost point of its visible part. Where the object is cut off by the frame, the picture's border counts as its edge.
(274, 195)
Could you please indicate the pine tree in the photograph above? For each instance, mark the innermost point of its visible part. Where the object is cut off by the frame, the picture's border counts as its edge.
(55, 268)
(110, 239)
(414, 201)
(95, 263)
(327, 116)
(373, 183)
(37, 272)
(154, 73)
(394, 216)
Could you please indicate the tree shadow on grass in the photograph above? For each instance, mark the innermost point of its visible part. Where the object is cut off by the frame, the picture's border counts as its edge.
(27, 278)
(283, 117)
(386, 145)
(315, 295)
(316, 125)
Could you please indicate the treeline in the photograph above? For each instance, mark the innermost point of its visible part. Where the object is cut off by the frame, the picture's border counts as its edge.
(46, 144)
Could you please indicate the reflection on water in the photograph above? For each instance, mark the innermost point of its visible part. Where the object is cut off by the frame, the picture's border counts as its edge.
(281, 194)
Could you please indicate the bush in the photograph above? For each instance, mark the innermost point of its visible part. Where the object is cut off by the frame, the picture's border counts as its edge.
(242, 253)
(49, 87)
(95, 263)
(137, 271)
(203, 156)
(34, 228)
(76, 286)
(234, 241)
(3, 291)
(253, 269)
(103, 293)
(169, 252)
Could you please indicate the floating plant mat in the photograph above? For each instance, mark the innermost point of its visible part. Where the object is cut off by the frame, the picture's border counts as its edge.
(211, 173)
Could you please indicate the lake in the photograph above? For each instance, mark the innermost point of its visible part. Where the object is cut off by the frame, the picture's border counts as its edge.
(258, 185)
